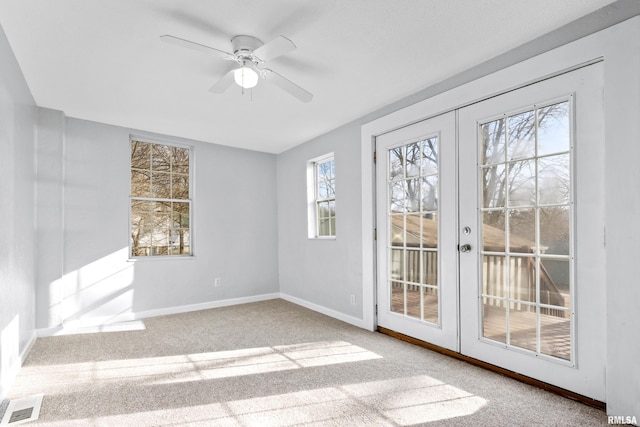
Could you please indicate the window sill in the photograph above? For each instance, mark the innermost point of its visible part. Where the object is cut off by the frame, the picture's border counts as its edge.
(161, 257)
(323, 238)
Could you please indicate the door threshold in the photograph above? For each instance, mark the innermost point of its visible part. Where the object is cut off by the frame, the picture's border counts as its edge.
(497, 369)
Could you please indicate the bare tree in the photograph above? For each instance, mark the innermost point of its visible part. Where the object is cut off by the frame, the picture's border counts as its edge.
(160, 193)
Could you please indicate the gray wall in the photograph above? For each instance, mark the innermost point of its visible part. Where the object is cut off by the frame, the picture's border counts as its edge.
(85, 275)
(322, 272)
(18, 115)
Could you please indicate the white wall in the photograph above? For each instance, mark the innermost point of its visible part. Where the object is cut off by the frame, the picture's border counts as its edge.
(85, 275)
(622, 210)
(49, 238)
(17, 215)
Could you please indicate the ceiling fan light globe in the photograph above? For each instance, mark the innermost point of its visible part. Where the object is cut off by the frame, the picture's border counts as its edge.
(245, 77)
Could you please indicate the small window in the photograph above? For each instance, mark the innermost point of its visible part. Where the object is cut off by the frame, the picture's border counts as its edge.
(160, 200)
(322, 197)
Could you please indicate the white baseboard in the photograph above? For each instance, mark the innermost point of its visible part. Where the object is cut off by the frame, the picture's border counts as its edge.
(12, 372)
(98, 324)
(204, 306)
(326, 311)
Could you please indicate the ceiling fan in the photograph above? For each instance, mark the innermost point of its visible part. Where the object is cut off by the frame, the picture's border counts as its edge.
(249, 55)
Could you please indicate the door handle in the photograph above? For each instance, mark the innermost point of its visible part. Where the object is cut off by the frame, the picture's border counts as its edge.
(466, 248)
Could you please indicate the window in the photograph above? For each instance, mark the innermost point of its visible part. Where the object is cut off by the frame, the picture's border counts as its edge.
(160, 203)
(322, 196)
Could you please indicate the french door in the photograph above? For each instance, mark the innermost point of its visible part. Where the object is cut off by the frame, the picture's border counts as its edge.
(491, 231)
(416, 215)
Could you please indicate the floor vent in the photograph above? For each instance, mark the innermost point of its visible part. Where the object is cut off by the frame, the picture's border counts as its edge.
(22, 411)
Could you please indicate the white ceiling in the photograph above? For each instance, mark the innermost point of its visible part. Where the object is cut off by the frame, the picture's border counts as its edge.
(103, 60)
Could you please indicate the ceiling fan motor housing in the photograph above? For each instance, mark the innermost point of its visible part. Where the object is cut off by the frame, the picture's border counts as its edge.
(243, 47)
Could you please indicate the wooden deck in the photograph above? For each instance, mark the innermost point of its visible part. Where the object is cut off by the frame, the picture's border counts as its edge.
(555, 331)
(430, 302)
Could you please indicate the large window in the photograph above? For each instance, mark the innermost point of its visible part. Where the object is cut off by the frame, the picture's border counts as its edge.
(322, 197)
(160, 200)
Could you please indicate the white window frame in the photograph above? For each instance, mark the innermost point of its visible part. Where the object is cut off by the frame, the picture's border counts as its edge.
(190, 148)
(312, 196)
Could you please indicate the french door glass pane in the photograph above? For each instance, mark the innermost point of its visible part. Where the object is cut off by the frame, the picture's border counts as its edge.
(397, 297)
(523, 330)
(429, 227)
(397, 265)
(414, 159)
(412, 196)
(429, 268)
(493, 186)
(521, 135)
(522, 278)
(494, 280)
(522, 230)
(526, 239)
(397, 193)
(429, 159)
(396, 163)
(553, 129)
(522, 184)
(493, 237)
(430, 304)
(555, 282)
(413, 301)
(553, 180)
(555, 230)
(413, 188)
(397, 230)
(494, 137)
(430, 193)
(494, 319)
(555, 334)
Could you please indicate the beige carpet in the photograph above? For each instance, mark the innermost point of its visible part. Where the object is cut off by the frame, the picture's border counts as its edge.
(272, 363)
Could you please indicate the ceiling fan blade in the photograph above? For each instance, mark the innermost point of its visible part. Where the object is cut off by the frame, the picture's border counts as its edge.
(276, 47)
(223, 84)
(195, 46)
(287, 85)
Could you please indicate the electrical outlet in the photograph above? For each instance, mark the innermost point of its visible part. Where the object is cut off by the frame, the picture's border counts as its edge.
(216, 282)
(352, 299)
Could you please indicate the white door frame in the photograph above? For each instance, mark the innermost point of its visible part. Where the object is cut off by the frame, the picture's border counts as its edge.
(619, 46)
(590, 49)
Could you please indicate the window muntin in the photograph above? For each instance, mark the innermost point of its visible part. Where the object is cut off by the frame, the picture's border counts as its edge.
(160, 200)
(527, 213)
(325, 197)
(413, 182)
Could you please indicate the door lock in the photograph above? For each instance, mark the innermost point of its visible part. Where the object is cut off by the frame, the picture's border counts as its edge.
(466, 248)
